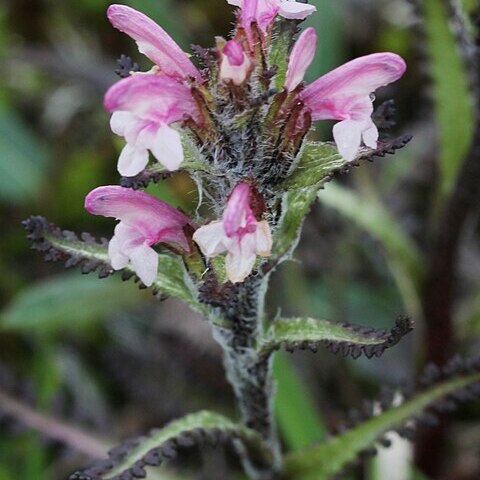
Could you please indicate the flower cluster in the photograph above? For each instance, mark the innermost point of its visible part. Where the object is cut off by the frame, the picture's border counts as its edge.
(246, 126)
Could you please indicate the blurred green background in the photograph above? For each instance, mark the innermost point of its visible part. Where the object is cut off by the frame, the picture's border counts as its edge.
(84, 362)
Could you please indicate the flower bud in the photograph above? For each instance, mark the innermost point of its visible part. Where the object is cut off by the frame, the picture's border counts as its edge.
(234, 64)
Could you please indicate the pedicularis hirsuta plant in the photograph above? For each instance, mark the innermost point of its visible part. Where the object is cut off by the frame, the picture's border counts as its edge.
(236, 117)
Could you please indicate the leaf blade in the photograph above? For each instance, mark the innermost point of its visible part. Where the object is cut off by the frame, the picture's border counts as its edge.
(92, 255)
(64, 302)
(309, 333)
(327, 459)
(451, 92)
(163, 444)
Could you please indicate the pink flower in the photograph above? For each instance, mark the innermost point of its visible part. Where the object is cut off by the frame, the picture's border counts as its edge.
(144, 221)
(264, 11)
(143, 107)
(153, 42)
(345, 94)
(234, 64)
(238, 233)
(301, 58)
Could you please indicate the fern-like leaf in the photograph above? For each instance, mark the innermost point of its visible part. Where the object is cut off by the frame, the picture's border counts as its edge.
(317, 164)
(91, 255)
(130, 460)
(320, 161)
(438, 391)
(350, 340)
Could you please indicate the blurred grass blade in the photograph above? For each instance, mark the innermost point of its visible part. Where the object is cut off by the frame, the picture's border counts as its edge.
(66, 302)
(300, 423)
(453, 102)
(23, 160)
(332, 457)
(403, 256)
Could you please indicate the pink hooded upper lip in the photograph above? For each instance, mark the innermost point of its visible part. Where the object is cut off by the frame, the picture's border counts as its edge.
(155, 219)
(329, 96)
(156, 97)
(153, 42)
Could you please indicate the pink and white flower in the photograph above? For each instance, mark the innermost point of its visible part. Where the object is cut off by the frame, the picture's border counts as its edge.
(346, 94)
(144, 221)
(143, 107)
(238, 233)
(263, 12)
(300, 58)
(235, 65)
(153, 42)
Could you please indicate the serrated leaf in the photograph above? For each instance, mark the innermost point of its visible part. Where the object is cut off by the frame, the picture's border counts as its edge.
(317, 163)
(322, 462)
(310, 333)
(161, 445)
(453, 102)
(172, 278)
(65, 302)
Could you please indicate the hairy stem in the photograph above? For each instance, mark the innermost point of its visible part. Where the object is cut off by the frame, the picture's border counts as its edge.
(249, 371)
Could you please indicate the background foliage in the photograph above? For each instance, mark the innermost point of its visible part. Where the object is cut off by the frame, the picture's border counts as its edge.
(84, 363)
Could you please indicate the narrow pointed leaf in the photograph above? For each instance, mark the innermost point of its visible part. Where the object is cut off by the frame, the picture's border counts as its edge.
(131, 459)
(66, 302)
(309, 334)
(300, 423)
(92, 255)
(452, 97)
(458, 381)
